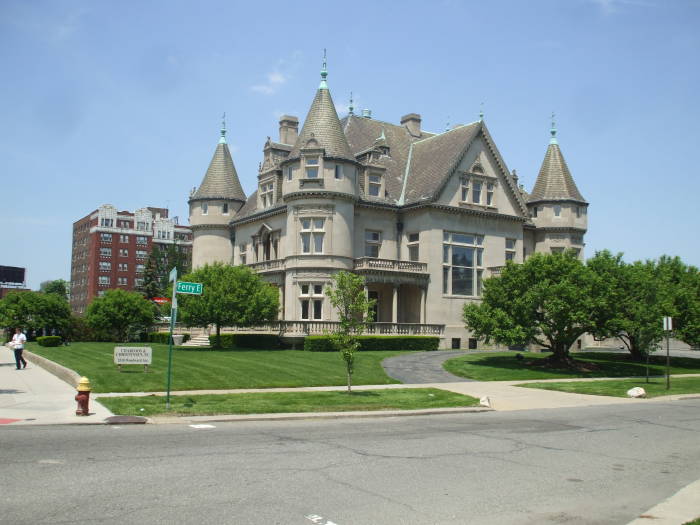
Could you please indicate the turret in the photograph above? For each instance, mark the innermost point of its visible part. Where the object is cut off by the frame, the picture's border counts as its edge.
(213, 205)
(557, 208)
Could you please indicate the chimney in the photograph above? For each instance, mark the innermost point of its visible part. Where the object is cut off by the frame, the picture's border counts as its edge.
(367, 113)
(412, 123)
(289, 129)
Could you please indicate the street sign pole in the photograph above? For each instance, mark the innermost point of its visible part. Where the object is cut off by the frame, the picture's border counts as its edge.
(668, 326)
(173, 316)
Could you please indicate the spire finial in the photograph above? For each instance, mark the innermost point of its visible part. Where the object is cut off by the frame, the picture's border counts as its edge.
(324, 72)
(481, 112)
(350, 107)
(447, 124)
(222, 140)
(553, 132)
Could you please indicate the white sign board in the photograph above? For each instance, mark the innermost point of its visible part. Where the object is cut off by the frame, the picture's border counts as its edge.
(132, 355)
(668, 324)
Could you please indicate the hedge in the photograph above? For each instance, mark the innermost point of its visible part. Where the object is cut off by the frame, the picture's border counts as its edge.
(257, 341)
(164, 337)
(322, 343)
(49, 340)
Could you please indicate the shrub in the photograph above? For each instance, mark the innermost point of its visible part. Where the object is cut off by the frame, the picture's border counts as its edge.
(164, 337)
(322, 343)
(49, 340)
(257, 341)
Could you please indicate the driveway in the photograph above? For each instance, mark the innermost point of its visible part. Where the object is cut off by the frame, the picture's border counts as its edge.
(422, 367)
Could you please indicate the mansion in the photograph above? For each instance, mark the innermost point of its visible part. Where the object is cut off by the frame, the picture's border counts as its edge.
(423, 217)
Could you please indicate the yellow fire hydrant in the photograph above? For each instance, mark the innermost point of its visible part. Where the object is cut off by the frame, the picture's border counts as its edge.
(83, 397)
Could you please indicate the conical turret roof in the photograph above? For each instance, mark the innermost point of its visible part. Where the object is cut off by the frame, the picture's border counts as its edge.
(323, 125)
(221, 180)
(554, 181)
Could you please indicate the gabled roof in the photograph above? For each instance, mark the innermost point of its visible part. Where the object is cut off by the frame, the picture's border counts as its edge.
(221, 180)
(554, 182)
(323, 125)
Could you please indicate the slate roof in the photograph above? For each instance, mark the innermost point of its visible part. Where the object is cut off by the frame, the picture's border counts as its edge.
(322, 124)
(221, 180)
(554, 181)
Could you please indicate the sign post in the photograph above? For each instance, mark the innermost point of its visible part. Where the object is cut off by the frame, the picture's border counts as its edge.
(668, 326)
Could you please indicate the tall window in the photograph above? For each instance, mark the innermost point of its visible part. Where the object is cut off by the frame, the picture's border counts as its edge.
(510, 249)
(311, 298)
(338, 171)
(123, 267)
(290, 172)
(374, 185)
(312, 233)
(242, 252)
(106, 237)
(105, 252)
(413, 251)
(224, 208)
(266, 194)
(557, 210)
(465, 189)
(123, 252)
(205, 208)
(143, 225)
(373, 242)
(311, 167)
(124, 239)
(476, 191)
(489, 193)
(108, 223)
(462, 260)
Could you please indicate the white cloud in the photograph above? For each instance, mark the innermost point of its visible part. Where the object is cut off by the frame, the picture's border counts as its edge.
(275, 80)
(609, 7)
(279, 75)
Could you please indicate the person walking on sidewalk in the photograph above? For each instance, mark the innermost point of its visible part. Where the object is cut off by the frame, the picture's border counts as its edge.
(17, 344)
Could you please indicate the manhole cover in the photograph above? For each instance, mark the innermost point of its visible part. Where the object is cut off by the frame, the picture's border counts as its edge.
(125, 420)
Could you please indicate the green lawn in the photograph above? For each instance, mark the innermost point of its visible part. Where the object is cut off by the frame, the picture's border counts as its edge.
(503, 366)
(209, 369)
(655, 388)
(281, 402)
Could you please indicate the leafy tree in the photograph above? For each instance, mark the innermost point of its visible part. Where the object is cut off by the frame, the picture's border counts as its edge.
(120, 313)
(354, 311)
(629, 302)
(34, 311)
(232, 296)
(545, 301)
(681, 289)
(58, 287)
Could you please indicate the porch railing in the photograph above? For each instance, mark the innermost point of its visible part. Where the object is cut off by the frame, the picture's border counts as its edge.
(370, 263)
(323, 327)
(262, 266)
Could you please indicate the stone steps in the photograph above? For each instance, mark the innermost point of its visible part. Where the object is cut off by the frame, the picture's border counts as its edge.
(198, 340)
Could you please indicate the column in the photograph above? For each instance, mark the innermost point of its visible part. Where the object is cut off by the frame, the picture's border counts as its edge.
(423, 296)
(395, 305)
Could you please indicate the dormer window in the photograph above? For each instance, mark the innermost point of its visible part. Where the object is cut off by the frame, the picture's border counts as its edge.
(338, 171)
(290, 172)
(205, 208)
(311, 167)
(476, 192)
(374, 185)
(489, 193)
(557, 210)
(224, 208)
(267, 194)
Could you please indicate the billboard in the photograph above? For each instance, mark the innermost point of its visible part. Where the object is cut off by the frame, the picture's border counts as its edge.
(12, 274)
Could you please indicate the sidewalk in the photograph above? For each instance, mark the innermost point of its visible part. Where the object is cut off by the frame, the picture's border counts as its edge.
(34, 396)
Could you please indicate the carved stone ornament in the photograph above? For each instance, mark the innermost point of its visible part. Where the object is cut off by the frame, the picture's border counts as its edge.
(314, 210)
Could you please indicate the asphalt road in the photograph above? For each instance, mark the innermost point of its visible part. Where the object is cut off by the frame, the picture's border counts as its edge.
(602, 465)
(415, 368)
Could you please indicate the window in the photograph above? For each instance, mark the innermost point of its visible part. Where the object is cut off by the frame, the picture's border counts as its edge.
(578, 212)
(510, 249)
(142, 225)
(476, 192)
(105, 266)
(290, 172)
(312, 235)
(413, 252)
(557, 249)
(122, 281)
(140, 268)
(123, 252)
(103, 280)
(557, 210)
(205, 208)
(100, 293)
(161, 234)
(373, 242)
(106, 237)
(105, 252)
(465, 189)
(266, 194)
(374, 185)
(311, 167)
(534, 211)
(462, 260)
(124, 239)
(489, 193)
(242, 252)
(311, 298)
(141, 239)
(224, 208)
(138, 282)
(107, 223)
(123, 267)
(338, 171)
(141, 254)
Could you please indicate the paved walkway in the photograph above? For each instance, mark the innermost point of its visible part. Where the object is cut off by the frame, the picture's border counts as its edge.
(422, 367)
(34, 396)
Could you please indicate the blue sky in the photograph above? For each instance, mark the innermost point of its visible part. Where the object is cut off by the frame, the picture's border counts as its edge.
(120, 102)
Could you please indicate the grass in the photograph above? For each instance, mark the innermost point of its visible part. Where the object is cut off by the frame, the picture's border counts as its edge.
(211, 369)
(655, 388)
(281, 402)
(503, 366)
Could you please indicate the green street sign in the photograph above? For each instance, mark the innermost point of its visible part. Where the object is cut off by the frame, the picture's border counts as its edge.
(190, 288)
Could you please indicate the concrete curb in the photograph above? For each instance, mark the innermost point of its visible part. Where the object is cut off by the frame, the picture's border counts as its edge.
(65, 374)
(680, 508)
(224, 418)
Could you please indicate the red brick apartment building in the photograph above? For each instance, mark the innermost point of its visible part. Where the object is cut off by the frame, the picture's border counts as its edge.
(110, 249)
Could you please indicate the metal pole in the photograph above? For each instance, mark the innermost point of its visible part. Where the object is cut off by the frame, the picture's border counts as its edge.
(173, 315)
(668, 364)
(648, 352)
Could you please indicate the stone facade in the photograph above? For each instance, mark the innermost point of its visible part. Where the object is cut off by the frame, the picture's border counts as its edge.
(424, 217)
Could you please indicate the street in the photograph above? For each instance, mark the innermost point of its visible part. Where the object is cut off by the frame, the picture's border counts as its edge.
(591, 465)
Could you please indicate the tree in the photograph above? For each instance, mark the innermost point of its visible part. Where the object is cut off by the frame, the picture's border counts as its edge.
(545, 301)
(347, 295)
(681, 290)
(120, 313)
(232, 296)
(34, 311)
(58, 287)
(629, 302)
(158, 265)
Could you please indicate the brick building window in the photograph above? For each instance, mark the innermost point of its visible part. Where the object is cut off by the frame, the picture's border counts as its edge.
(106, 237)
